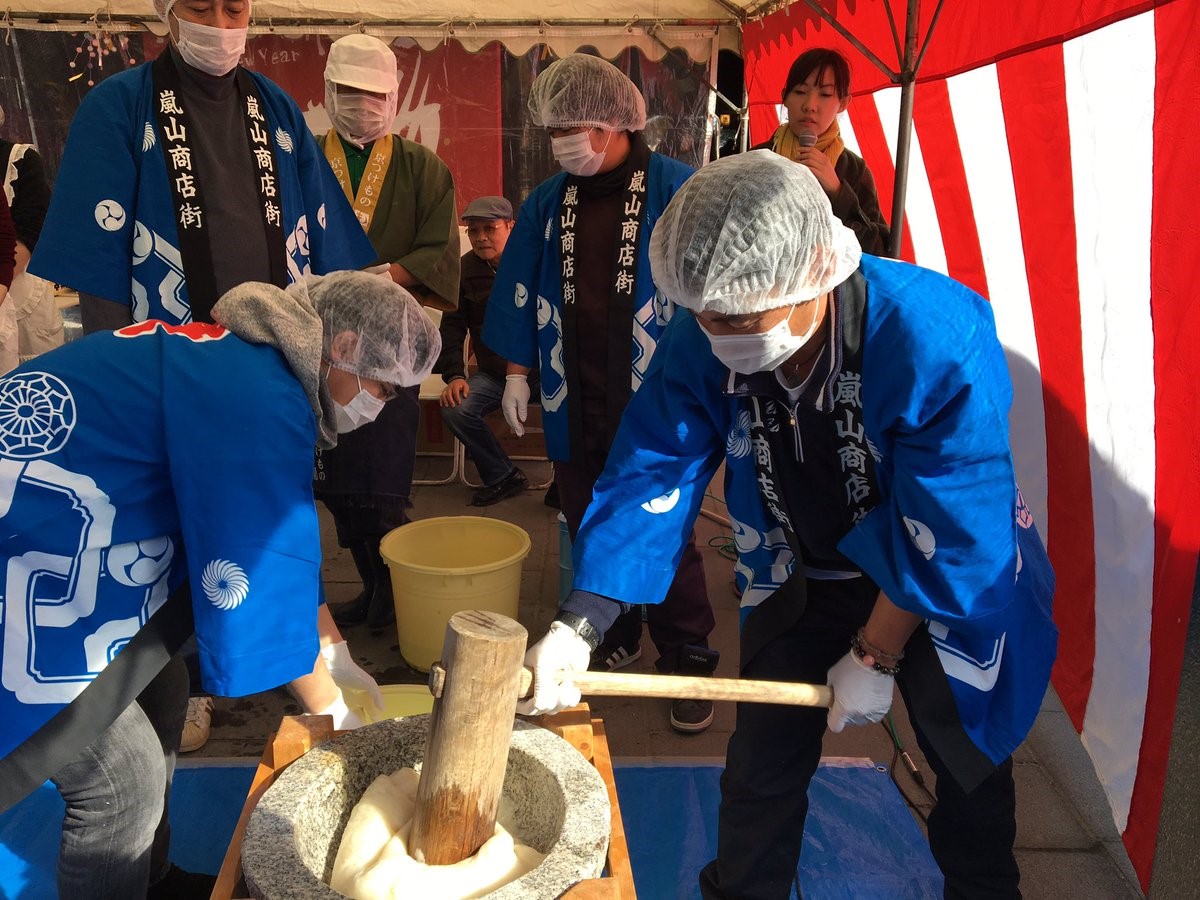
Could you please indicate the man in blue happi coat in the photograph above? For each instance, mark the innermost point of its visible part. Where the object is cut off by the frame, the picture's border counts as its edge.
(574, 297)
(158, 482)
(187, 176)
(860, 407)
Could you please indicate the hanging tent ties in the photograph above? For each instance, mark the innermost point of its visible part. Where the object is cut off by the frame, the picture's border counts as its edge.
(1048, 164)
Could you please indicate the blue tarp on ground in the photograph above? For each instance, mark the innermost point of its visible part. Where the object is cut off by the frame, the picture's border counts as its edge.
(861, 842)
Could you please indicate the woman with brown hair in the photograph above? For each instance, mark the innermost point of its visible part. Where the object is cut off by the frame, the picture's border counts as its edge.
(817, 89)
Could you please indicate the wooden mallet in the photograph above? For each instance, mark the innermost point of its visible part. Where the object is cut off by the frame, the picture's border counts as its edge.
(476, 686)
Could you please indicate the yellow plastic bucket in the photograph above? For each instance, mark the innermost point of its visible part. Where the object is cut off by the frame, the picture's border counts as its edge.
(398, 700)
(446, 565)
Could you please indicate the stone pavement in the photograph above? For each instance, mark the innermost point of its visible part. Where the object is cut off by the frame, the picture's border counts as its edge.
(1067, 844)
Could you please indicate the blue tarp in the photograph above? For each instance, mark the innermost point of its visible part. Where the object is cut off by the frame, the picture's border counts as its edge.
(861, 842)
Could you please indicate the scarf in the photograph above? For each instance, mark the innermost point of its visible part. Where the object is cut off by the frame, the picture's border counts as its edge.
(187, 194)
(365, 201)
(286, 320)
(628, 179)
(830, 143)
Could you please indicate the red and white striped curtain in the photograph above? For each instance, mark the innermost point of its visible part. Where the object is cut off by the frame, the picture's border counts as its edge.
(1061, 183)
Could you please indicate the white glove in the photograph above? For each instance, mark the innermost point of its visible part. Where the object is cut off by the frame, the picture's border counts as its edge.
(562, 649)
(347, 674)
(343, 718)
(860, 694)
(515, 402)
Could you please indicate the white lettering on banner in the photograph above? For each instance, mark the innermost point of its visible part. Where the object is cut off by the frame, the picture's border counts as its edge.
(181, 157)
(849, 389)
(629, 230)
(167, 103)
(638, 181)
(267, 185)
(252, 109)
(262, 156)
(258, 134)
(272, 214)
(185, 184)
(625, 256)
(191, 216)
(175, 132)
(571, 196)
(624, 282)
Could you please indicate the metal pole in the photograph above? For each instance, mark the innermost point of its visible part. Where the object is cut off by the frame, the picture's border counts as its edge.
(712, 104)
(908, 84)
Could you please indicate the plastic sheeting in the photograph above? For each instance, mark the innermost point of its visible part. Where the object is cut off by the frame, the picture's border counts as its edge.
(860, 841)
(206, 801)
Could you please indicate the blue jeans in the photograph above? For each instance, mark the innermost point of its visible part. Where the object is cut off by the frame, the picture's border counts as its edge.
(466, 422)
(115, 833)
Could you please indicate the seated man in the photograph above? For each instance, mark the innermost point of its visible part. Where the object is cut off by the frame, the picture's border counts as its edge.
(467, 401)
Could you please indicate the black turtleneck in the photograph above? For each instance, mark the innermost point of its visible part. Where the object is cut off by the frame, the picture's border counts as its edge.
(598, 226)
(225, 168)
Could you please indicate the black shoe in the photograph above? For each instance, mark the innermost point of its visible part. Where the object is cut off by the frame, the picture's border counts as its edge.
(691, 716)
(381, 611)
(353, 612)
(509, 486)
(694, 716)
(610, 657)
(179, 884)
(551, 498)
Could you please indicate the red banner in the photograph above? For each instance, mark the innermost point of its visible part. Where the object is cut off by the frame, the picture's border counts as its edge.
(449, 100)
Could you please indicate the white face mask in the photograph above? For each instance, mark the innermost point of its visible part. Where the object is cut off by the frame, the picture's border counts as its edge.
(212, 50)
(761, 351)
(364, 407)
(575, 154)
(359, 118)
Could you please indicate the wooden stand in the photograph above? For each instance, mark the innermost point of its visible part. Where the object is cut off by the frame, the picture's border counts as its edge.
(298, 734)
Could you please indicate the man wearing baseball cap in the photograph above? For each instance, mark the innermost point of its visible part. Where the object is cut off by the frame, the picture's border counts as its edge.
(403, 196)
(467, 400)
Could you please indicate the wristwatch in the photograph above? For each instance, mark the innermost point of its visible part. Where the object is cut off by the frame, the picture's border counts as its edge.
(581, 627)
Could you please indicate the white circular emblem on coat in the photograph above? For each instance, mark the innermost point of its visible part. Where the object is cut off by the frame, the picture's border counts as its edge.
(922, 537)
(37, 413)
(737, 444)
(663, 504)
(110, 215)
(521, 296)
(225, 584)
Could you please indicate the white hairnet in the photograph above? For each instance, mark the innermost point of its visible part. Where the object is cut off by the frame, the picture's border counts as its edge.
(163, 8)
(397, 343)
(581, 90)
(363, 62)
(750, 233)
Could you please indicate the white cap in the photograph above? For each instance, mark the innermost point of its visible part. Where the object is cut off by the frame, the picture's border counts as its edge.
(363, 62)
(749, 233)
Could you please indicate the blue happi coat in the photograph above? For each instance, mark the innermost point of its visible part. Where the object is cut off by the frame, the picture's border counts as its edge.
(524, 322)
(111, 230)
(950, 538)
(117, 451)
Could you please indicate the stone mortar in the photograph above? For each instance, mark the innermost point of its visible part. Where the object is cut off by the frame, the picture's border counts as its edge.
(558, 802)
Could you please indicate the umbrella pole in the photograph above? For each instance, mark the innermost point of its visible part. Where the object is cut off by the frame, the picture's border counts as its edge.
(908, 84)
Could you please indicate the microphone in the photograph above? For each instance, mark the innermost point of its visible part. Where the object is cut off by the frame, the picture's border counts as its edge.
(806, 139)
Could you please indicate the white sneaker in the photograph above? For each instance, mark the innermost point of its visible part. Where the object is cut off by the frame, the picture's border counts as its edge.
(197, 724)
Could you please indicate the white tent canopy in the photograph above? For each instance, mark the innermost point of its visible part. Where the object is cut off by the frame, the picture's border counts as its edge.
(696, 26)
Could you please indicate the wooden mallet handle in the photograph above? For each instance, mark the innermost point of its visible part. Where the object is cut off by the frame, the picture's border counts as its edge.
(688, 687)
